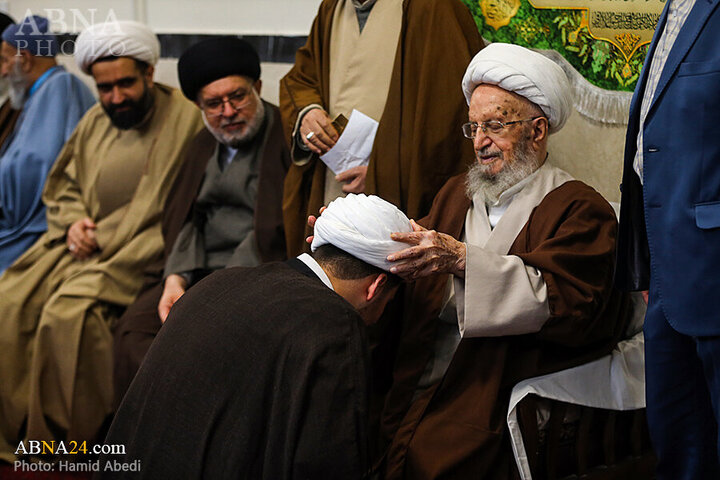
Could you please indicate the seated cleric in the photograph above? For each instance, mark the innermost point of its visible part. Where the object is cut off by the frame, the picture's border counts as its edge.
(104, 196)
(263, 372)
(225, 208)
(515, 280)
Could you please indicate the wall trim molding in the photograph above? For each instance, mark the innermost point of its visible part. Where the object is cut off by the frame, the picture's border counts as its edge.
(271, 48)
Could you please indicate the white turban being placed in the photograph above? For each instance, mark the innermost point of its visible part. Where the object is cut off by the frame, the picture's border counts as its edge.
(116, 39)
(526, 73)
(361, 226)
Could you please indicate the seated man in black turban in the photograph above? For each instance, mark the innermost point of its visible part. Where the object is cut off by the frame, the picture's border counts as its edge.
(225, 207)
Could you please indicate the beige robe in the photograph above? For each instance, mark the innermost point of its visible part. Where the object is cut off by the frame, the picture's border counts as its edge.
(56, 366)
(361, 65)
(418, 144)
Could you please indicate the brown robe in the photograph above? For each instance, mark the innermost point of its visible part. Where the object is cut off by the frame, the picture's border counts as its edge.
(457, 429)
(418, 144)
(138, 326)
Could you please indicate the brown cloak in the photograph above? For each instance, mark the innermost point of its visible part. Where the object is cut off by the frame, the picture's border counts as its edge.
(418, 144)
(259, 373)
(457, 428)
(138, 326)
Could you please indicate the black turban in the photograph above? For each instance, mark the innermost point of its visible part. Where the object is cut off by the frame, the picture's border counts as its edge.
(213, 59)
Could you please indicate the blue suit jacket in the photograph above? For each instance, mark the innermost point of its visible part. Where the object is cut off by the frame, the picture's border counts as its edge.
(670, 228)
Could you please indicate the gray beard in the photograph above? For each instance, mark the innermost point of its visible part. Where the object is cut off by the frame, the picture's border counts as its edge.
(240, 139)
(489, 187)
(17, 87)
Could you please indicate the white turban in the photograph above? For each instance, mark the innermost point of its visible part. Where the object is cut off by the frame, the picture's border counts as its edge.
(116, 39)
(361, 226)
(526, 73)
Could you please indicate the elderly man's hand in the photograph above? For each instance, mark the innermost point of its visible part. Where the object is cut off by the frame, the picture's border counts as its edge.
(175, 286)
(80, 240)
(324, 135)
(354, 179)
(311, 223)
(432, 253)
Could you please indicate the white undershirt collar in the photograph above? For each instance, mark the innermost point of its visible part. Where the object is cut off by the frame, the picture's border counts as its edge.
(316, 268)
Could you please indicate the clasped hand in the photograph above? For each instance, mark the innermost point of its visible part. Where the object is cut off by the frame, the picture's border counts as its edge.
(80, 239)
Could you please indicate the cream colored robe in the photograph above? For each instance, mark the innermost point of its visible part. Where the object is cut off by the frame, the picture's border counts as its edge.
(56, 361)
(361, 66)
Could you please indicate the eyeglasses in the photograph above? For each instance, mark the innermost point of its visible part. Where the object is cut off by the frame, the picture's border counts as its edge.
(493, 127)
(237, 100)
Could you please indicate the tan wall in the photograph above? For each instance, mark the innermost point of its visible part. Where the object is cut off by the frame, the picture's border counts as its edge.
(591, 152)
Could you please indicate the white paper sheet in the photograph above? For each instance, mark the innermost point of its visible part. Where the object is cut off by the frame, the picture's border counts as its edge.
(354, 145)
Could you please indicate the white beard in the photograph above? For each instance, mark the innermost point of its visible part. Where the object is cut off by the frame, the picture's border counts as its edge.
(489, 187)
(17, 87)
(240, 139)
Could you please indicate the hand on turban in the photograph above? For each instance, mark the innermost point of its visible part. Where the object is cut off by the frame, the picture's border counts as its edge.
(116, 39)
(361, 226)
(526, 73)
(213, 59)
(32, 34)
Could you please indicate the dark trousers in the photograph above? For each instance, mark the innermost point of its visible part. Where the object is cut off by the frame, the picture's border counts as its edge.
(683, 404)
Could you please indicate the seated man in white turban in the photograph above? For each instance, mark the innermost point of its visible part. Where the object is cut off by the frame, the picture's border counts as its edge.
(513, 270)
(262, 372)
(104, 199)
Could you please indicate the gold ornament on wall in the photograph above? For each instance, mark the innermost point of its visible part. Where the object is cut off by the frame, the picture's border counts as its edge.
(627, 24)
(498, 13)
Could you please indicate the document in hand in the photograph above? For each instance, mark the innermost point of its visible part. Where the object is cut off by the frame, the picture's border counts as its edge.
(354, 145)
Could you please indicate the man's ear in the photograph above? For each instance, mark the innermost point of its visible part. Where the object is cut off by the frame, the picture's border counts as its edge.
(540, 129)
(26, 60)
(149, 74)
(258, 86)
(375, 287)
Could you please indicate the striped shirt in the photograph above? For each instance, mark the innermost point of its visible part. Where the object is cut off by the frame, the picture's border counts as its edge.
(677, 14)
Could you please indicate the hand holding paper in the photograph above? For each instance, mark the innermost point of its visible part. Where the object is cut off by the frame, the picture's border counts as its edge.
(354, 146)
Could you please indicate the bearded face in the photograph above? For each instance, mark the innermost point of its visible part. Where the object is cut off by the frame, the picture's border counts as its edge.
(508, 154)
(232, 110)
(125, 90)
(488, 184)
(130, 112)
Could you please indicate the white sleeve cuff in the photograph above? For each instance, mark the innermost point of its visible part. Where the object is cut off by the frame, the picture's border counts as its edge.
(499, 296)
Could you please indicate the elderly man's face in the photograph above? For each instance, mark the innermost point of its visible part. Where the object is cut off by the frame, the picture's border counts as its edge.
(497, 151)
(8, 57)
(510, 154)
(232, 109)
(124, 89)
(14, 79)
